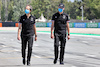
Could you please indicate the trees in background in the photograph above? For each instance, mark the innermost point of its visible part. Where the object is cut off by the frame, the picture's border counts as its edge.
(18, 9)
(11, 10)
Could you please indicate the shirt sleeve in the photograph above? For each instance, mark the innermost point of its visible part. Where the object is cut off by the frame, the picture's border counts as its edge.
(20, 20)
(34, 20)
(53, 18)
(68, 18)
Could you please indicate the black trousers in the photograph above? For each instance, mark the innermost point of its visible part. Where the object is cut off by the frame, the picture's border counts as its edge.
(27, 40)
(59, 40)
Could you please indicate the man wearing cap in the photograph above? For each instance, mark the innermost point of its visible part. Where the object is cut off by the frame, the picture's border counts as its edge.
(27, 24)
(60, 22)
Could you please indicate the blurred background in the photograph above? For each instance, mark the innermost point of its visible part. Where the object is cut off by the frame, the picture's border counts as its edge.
(78, 10)
(82, 13)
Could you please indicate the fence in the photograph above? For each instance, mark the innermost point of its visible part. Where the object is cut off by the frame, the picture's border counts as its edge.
(41, 24)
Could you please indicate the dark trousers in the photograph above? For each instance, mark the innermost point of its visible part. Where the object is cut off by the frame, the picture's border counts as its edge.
(62, 39)
(27, 40)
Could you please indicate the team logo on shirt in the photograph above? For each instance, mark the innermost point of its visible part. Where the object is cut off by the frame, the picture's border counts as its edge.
(64, 16)
(31, 18)
(55, 16)
(23, 19)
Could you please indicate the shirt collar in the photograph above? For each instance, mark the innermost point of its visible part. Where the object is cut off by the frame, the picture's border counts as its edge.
(60, 14)
(29, 17)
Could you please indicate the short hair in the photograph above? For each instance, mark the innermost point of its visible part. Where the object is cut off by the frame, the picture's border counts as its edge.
(30, 7)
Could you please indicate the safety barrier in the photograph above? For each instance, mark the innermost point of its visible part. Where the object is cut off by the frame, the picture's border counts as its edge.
(0, 24)
(92, 25)
(81, 25)
(8, 24)
(98, 25)
(41, 24)
(16, 24)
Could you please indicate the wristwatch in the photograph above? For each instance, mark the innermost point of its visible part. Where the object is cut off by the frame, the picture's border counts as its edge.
(35, 35)
(68, 34)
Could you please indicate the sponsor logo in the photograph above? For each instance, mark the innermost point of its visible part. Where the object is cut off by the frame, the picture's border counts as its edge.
(64, 16)
(23, 19)
(31, 18)
(80, 25)
(94, 25)
(55, 16)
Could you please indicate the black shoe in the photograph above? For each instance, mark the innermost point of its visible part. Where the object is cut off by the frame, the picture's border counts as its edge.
(28, 63)
(24, 61)
(55, 61)
(62, 63)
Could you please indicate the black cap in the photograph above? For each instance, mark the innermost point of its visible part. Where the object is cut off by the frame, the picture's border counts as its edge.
(61, 5)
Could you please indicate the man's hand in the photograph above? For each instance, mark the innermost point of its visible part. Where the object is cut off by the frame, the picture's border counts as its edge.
(35, 38)
(52, 36)
(68, 37)
(18, 37)
(19, 30)
(68, 30)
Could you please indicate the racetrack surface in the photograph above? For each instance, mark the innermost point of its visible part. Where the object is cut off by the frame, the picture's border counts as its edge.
(81, 51)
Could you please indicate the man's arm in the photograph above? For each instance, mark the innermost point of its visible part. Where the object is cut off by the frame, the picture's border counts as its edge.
(52, 26)
(35, 32)
(68, 30)
(19, 30)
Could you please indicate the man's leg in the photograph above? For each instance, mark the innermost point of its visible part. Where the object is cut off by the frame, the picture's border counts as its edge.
(56, 47)
(30, 44)
(24, 43)
(62, 48)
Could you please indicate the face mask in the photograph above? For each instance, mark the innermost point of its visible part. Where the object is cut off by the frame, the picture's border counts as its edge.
(27, 11)
(60, 10)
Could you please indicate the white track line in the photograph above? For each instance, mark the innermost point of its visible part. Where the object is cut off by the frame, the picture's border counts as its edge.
(90, 55)
(16, 50)
(37, 56)
(84, 41)
(73, 66)
(3, 46)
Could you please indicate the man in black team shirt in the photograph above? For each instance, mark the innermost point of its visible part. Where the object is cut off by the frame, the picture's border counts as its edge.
(27, 24)
(60, 22)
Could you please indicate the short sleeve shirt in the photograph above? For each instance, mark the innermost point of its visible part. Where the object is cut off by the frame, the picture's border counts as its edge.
(60, 21)
(27, 25)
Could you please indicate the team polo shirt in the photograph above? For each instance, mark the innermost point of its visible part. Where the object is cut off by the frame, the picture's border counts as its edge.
(60, 21)
(27, 25)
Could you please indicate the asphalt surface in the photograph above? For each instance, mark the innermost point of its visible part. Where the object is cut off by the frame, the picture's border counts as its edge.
(81, 51)
(72, 30)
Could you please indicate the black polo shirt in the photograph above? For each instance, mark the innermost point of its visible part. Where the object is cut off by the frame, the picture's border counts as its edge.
(60, 22)
(27, 25)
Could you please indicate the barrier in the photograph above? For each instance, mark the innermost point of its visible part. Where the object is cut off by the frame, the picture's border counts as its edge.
(79, 25)
(92, 25)
(49, 24)
(16, 24)
(71, 25)
(98, 25)
(8, 24)
(42, 24)
(0, 24)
